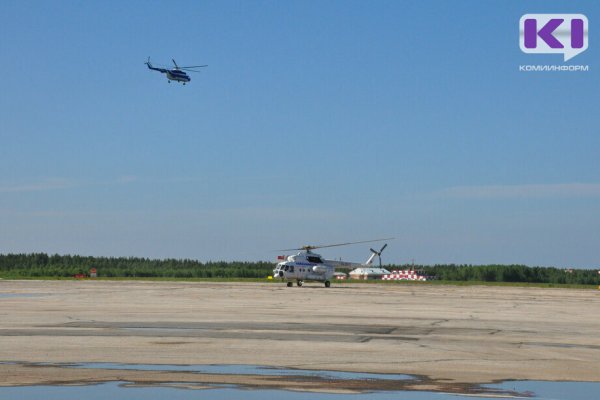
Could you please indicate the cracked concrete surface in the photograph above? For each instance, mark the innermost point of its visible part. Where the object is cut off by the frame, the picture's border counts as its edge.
(449, 334)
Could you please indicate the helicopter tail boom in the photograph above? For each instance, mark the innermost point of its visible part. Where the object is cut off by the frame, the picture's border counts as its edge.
(370, 259)
(149, 65)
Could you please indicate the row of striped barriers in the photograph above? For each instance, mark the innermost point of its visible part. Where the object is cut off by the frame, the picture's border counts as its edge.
(407, 275)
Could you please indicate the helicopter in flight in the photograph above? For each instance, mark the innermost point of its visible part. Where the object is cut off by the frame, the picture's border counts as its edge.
(309, 266)
(177, 74)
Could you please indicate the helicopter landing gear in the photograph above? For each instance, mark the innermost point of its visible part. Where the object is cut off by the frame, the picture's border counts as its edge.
(299, 283)
(290, 284)
(327, 283)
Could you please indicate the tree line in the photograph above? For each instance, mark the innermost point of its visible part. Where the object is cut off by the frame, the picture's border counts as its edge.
(44, 265)
(512, 273)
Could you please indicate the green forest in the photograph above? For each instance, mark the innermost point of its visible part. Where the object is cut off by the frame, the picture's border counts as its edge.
(512, 273)
(41, 265)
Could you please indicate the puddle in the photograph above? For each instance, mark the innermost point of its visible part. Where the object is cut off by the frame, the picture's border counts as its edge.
(364, 385)
(121, 390)
(552, 390)
(245, 370)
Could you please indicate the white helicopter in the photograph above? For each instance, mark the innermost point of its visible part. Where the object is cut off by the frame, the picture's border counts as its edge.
(309, 266)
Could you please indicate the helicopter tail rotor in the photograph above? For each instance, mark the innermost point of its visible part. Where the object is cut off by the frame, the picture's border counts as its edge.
(376, 253)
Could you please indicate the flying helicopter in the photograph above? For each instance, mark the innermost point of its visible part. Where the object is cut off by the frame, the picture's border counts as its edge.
(309, 266)
(178, 73)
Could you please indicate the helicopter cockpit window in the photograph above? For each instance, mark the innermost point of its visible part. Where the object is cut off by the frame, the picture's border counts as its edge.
(314, 259)
(286, 268)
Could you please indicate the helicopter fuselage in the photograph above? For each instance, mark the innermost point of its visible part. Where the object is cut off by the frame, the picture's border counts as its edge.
(172, 74)
(177, 75)
(306, 266)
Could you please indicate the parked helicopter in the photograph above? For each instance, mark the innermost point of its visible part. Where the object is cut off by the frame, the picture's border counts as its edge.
(178, 73)
(309, 266)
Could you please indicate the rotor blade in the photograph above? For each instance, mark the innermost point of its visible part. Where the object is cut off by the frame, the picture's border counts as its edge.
(349, 243)
(310, 247)
(299, 248)
(373, 251)
(384, 246)
(194, 66)
(172, 59)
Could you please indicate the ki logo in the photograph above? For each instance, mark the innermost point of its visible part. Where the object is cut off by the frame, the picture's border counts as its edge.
(565, 34)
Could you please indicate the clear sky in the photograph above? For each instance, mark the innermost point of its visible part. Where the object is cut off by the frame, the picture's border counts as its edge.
(315, 122)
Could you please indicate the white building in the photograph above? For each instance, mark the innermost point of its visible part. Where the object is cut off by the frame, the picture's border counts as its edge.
(368, 273)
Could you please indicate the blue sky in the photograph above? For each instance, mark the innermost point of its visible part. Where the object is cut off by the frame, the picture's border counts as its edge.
(315, 122)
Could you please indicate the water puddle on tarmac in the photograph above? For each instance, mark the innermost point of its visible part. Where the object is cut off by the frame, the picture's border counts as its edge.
(245, 370)
(376, 386)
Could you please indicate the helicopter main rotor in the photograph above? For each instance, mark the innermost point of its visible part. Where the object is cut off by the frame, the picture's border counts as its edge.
(188, 68)
(308, 248)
